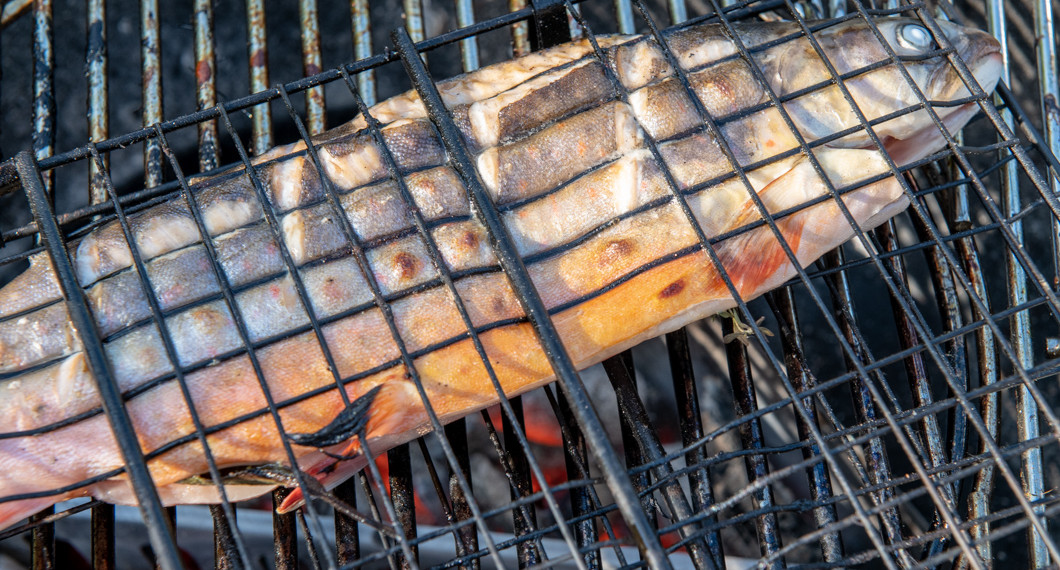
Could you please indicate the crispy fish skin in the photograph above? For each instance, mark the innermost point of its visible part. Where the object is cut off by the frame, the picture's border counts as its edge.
(589, 208)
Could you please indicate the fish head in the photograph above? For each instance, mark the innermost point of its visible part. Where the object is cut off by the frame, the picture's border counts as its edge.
(878, 86)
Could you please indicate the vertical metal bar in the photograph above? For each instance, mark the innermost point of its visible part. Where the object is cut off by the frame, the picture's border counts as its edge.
(81, 317)
(224, 549)
(102, 535)
(745, 400)
(42, 538)
(399, 460)
(686, 396)
(983, 488)
(465, 16)
(151, 75)
(284, 536)
(624, 13)
(1027, 410)
(42, 542)
(879, 465)
(678, 11)
(633, 414)
(361, 24)
(347, 535)
(524, 521)
(43, 85)
(258, 56)
(520, 31)
(620, 369)
(98, 116)
(205, 83)
(532, 305)
(1045, 33)
(316, 117)
(414, 21)
(575, 456)
(456, 433)
(783, 304)
(102, 524)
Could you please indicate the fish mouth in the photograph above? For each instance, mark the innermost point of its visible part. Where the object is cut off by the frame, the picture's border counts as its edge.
(930, 138)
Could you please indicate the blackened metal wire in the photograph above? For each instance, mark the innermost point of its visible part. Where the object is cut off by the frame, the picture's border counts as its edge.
(982, 324)
(117, 416)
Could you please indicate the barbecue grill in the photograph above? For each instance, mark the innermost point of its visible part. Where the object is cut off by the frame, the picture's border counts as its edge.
(894, 405)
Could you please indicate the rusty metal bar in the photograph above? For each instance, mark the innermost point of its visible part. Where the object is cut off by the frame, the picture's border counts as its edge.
(102, 521)
(258, 58)
(361, 25)
(205, 82)
(151, 75)
(98, 115)
(520, 30)
(316, 114)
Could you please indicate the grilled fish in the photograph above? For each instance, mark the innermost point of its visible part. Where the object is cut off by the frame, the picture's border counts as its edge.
(561, 141)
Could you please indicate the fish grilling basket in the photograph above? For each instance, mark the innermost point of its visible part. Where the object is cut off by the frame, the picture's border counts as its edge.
(878, 388)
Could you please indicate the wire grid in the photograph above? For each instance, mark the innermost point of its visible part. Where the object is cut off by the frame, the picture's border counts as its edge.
(891, 461)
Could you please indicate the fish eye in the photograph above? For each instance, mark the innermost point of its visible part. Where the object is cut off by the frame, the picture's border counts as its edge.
(915, 37)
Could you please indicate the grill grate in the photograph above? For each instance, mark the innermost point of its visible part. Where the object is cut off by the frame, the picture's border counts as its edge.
(951, 466)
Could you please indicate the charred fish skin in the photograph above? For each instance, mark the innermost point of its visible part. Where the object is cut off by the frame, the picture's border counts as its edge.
(590, 208)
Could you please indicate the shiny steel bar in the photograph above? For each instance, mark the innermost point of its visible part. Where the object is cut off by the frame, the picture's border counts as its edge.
(465, 16)
(1027, 410)
(1049, 86)
(316, 119)
(624, 13)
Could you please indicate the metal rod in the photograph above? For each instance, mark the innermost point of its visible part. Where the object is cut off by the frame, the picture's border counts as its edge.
(783, 304)
(361, 25)
(205, 83)
(745, 402)
(81, 317)
(151, 99)
(686, 396)
(399, 462)
(258, 57)
(1027, 418)
(467, 535)
(532, 305)
(465, 16)
(315, 107)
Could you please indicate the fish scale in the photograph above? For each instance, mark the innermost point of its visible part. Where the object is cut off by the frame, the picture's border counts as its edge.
(589, 207)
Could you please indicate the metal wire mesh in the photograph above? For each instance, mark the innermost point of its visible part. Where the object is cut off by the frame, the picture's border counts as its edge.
(835, 433)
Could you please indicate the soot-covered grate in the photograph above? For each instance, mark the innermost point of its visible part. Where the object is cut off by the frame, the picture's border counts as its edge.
(892, 404)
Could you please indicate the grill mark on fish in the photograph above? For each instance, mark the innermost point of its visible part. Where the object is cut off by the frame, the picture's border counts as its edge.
(593, 274)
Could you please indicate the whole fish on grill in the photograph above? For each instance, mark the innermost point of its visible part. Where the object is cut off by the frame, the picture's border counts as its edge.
(562, 150)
